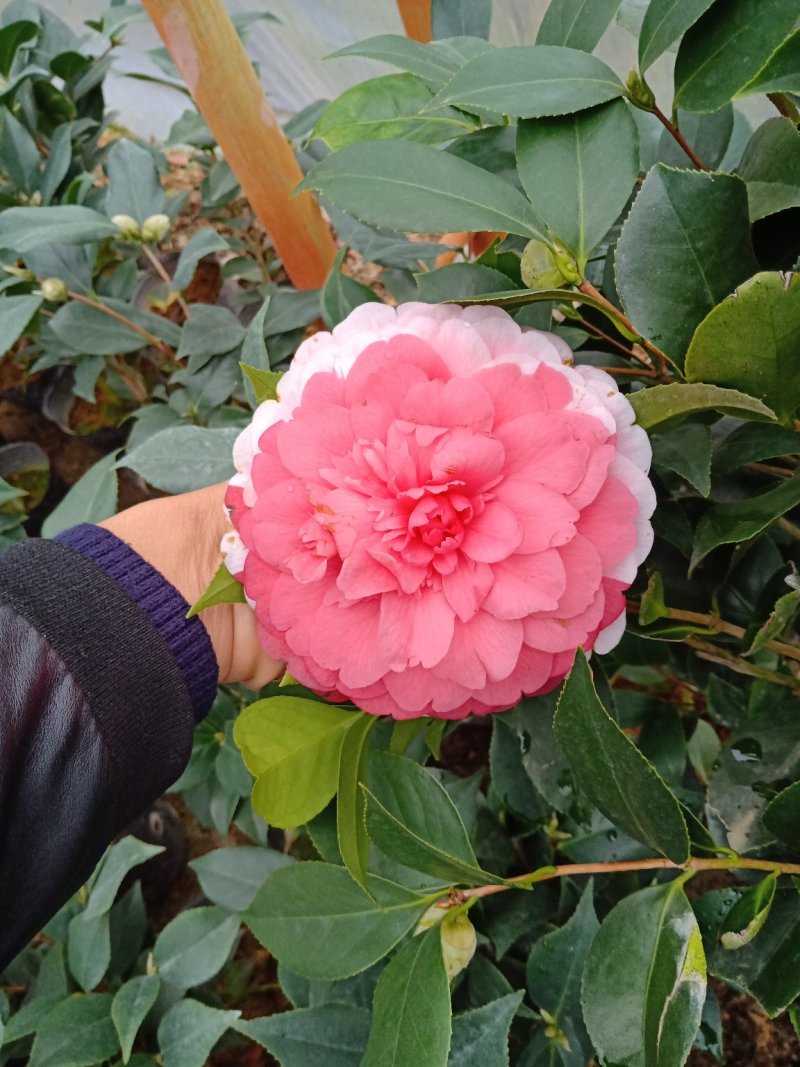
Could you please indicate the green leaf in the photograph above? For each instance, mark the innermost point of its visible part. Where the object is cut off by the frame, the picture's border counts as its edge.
(195, 945)
(264, 382)
(416, 188)
(20, 155)
(130, 1005)
(413, 821)
(331, 1034)
(411, 1010)
(341, 294)
(460, 18)
(24, 228)
(771, 168)
(209, 331)
(12, 37)
(740, 520)
(460, 281)
(90, 331)
(748, 914)
(435, 62)
(769, 967)
(663, 404)
(531, 82)
(482, 1035)
(576, 23)
(708, 134)
(182, 458)
(753, 442)
(78, 1032)
(92, 498)
(133, 186)
(555, 968)
(321, 924)
(692, 232)
(254, 348)
(703, 750)
(292, 747)
(612, 772)
(388, 107)
(29, 1017)
(782, 816)
(645, 979)
(203, 243)
(231, 877)
(351, 831)
(222, 589)
(781, 72)
(664, 22)
(16, 313)
(511, 783)
(121, 858)
(726, 49)
(750, 342)
(578, 172)
(189, 1031)
(686, 450)
(89, 948)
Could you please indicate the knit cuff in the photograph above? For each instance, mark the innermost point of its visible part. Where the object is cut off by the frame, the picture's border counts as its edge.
(187, 639)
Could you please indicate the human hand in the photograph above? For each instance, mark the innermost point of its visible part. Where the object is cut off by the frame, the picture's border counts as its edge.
(180, 536)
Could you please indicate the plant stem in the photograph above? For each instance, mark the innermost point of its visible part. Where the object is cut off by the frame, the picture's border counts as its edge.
(569, 870)
(785, 106)
(627, 352)
(767, 468)
(164, 275)
(112, 314)
(788, 527)
(587, 288)
(629, 372)
(676, 133)
(714, 654)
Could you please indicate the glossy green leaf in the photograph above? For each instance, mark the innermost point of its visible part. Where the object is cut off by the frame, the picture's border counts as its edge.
(78, 1032)
(645, 979)
(460, 18)
(342, 294)
(771, 168)
(748, 914)
(579, 170)
(778, 620)
(264, 382)
(130, 1005)
(576, 23)
(413, 821)
(753, 442)
(222, 589)
(781, 72)
(133, 185)
(292, 746)
(708, 134)
(194, 946)
(740, 520)
(691, 231)
(182, 458)
(686, 450)
(121, 858)
(435, 62)
(331, 1034)
(612, 772)
(481, 1036)
(89, 949)
(782, 815)
(751, 342)
(769, 967)
(411, 1010)
(664, 404)
(726, 48)
(665, 21)
(203, 243)
(231, 877)
(555, 969)
(92, 498)
(16, 313)
(12, 37)
(189, 1031)
(321, 924)
(351, 831)
(24, 228)
(531, 82)
(417, 188)
(460, 281)
(388, 107)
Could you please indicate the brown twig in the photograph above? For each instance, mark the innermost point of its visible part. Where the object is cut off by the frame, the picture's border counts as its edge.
(767, 468)
(676, 133)
(587, 288)
(788, 527)
(714, 654)
(112, 314)
(627, 352)
(164, 275)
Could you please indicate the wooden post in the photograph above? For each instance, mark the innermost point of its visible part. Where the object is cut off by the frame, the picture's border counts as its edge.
(206, 49)
(416, 16)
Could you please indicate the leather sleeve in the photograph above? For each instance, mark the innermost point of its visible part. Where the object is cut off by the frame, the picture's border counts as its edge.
(95, 722)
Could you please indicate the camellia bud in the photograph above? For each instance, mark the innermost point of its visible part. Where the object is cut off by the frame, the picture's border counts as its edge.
(127, 226)
(430, 918)
(54, 290)
(155, 228)
(639, 92)
(538, 267)
(459, 942)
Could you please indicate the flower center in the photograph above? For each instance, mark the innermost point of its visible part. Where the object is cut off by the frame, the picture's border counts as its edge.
(438, 520)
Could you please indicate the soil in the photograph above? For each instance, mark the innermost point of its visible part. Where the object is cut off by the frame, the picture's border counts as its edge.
(750, 1039)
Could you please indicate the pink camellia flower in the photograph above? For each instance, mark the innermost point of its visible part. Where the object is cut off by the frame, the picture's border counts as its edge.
(438, 510)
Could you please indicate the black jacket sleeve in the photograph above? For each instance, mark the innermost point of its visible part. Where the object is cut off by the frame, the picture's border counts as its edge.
(95, 722)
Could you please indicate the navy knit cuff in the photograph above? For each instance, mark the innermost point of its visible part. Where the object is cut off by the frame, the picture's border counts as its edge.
(187, 639)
